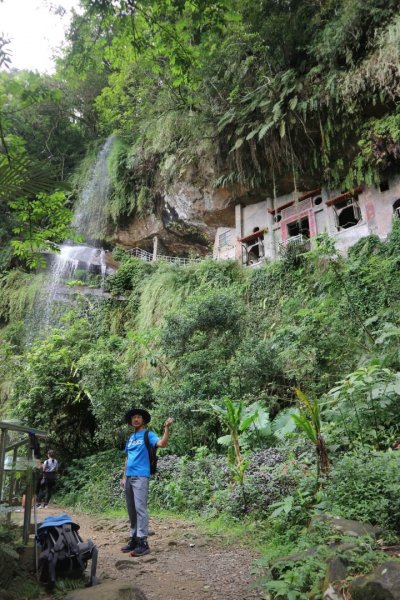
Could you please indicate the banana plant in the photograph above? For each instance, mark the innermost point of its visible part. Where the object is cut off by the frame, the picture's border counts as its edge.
(236, 418)
(309, 421)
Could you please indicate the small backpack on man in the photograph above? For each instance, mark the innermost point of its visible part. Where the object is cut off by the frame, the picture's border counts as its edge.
(152, 454)
(62, 552)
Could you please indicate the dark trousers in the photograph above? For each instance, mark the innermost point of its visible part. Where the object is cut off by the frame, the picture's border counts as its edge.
(46, 490)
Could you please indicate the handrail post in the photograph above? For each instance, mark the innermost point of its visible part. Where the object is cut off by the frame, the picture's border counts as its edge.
(12, 482)
(3, 440)
(28, 499)
(155, 247)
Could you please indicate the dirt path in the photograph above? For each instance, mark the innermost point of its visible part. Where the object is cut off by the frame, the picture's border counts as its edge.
(184, 564)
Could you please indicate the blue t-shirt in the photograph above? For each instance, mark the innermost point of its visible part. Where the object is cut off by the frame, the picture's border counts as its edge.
(138, 464)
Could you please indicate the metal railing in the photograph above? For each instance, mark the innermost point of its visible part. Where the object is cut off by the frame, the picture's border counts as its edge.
(296, 240)
(179, 260)
(139, 253)
(300, 242)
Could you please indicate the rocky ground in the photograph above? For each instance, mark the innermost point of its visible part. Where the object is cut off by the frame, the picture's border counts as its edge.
(184, 564)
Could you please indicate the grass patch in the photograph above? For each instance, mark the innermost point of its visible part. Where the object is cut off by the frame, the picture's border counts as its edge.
(24, 588)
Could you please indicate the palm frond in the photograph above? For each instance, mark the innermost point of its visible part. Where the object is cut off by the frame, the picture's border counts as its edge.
(19, 176)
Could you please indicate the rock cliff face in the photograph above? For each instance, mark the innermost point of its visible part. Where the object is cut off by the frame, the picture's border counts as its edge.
(185, 215)
(185, 219)
(188, 207)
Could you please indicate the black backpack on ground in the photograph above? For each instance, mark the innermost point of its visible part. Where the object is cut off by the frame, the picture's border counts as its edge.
(152, 454)
(62, 552)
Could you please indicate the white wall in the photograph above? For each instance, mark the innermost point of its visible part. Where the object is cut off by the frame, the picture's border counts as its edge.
(376, 212)
(228, 251)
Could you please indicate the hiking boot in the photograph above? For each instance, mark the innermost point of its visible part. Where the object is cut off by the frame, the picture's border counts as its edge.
(141, 549)
(131, 545)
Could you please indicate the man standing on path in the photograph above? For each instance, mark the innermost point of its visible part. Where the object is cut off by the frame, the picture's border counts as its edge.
(136, 477)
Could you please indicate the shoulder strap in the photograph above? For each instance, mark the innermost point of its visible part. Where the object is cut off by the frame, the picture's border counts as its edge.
(72, 542)
(53, 552)
(152, 453)
(70, 539)
(150, 449)
(146, 441)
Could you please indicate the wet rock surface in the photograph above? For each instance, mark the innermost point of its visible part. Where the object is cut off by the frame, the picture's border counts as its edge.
(382, 584)
(183, 564)
(348, 526)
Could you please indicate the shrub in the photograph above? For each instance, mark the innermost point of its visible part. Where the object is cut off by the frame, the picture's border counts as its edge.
(129, 275)
(93, 483)
(202, 484)
(182, 484)
(365, 486)
(205, 484)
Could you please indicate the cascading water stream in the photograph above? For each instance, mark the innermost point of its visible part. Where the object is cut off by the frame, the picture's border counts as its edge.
(103, 267)
(90, 220)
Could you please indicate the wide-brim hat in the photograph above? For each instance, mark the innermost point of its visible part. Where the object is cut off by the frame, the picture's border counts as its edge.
(137, 411)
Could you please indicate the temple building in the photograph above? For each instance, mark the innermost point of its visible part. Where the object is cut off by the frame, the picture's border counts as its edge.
(265, 229)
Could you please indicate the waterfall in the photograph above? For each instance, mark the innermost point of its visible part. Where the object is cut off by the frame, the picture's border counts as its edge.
(103, 267)
(90, 218)
(80, 261)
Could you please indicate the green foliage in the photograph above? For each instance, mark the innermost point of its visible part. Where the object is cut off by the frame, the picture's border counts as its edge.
(363, 408)
(199, 341)
(8, 554)
(296, 580)
(38, 110)
(123, 200)
(299, 575)
(379, 146)
(48, 394)
(93, 483)
(309, 421)
(188, 337)
(182, 74)
(19, 176)
(364, 486)
(163, 293)
(201, 483)
(185, 484)
(41, 223)
(106, 382)
(129, 277)
(15, 577)
(29, 224)
(35, 122)
(352, 31)
(251, 94)
(19, 292)
(237, 419)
